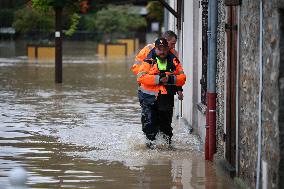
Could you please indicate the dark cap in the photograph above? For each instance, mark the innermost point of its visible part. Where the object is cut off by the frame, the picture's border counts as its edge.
(161, 42)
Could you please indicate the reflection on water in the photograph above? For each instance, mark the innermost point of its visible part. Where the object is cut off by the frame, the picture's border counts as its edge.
(86, 132)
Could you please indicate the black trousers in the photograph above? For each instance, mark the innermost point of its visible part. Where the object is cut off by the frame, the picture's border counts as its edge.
(155, 119)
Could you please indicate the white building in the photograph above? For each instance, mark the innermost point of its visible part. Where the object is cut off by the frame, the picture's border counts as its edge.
(189, 46)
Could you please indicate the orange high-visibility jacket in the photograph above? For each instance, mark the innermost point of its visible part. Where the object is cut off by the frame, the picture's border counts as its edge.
(148, 75)
(143, 54)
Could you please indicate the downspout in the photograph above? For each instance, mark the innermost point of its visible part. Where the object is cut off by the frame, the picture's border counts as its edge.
(259, 97)
(211, 75)
(208, 57)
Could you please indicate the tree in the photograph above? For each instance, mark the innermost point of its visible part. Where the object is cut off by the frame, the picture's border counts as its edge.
(156, 13)
(118, 19)
(31, 20)
(71, 8)
(7, 9)
(58, 6)
(112, 19)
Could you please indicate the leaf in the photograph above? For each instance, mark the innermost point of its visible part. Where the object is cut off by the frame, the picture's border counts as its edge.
(74, 23)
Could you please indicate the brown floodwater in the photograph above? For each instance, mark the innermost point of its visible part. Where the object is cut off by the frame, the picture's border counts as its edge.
(86, 132)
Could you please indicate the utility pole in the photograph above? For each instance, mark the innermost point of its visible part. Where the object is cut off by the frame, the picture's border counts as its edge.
(58, 44)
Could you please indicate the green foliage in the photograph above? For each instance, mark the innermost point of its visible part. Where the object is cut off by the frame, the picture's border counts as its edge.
(46, 4)
(113, 19)
(29, 20)
(155, 11)
(71, 7)
(118, 19)
(74, 23)
(6, 18)
(42, 5)
(88, 23)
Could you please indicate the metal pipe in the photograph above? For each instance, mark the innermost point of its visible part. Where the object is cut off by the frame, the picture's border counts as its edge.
(207, 131)
(212, 124)
(211, 75)
(207, 112)
(259, 97)
(213, 46)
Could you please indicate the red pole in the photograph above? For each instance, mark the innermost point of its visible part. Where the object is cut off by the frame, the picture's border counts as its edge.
(212, 123)
(207, 132)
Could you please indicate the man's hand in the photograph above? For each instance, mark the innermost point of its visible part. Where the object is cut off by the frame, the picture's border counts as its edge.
(163, 80)
(180, 95)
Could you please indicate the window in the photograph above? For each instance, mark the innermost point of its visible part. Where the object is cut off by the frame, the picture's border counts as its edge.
(203, 80)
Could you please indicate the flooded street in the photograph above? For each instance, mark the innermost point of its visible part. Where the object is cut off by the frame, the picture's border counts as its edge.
(86, 133)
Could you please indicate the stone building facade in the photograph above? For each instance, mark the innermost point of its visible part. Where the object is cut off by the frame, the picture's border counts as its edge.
(258, 87)
(249, 85)
(281, 99)
(220, 78)
(248, 90)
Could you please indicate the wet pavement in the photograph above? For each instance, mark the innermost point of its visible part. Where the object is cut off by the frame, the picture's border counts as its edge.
(86, 133)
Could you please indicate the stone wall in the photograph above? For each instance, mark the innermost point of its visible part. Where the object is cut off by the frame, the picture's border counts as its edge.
(248, 90)
(249, 83)
(270, 98)
(220, 77)
(281, 100)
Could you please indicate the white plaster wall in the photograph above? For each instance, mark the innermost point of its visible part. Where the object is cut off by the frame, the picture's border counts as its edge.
(192, 63)
(172, 19)
(172, 25)
(188, 59)
(196, 64)
(201, 119)
(199, 49)
(189, 46)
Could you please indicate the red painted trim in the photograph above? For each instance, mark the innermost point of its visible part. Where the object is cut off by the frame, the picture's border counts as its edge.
(211, 112)
(207, 133)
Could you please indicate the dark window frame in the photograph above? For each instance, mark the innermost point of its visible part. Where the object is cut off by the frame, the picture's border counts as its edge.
(203, 80)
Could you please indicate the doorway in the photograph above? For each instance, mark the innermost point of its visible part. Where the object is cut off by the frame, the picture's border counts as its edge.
(232, 32)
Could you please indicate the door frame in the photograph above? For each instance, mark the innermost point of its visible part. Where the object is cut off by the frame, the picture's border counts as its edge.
(231, 83)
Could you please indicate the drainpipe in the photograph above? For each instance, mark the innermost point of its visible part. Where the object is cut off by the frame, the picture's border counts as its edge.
(259, 97)
(208, 56)
(211, 76)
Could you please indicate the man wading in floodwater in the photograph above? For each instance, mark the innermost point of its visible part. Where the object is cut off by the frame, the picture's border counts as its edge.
(160, 77)
(171, 38)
